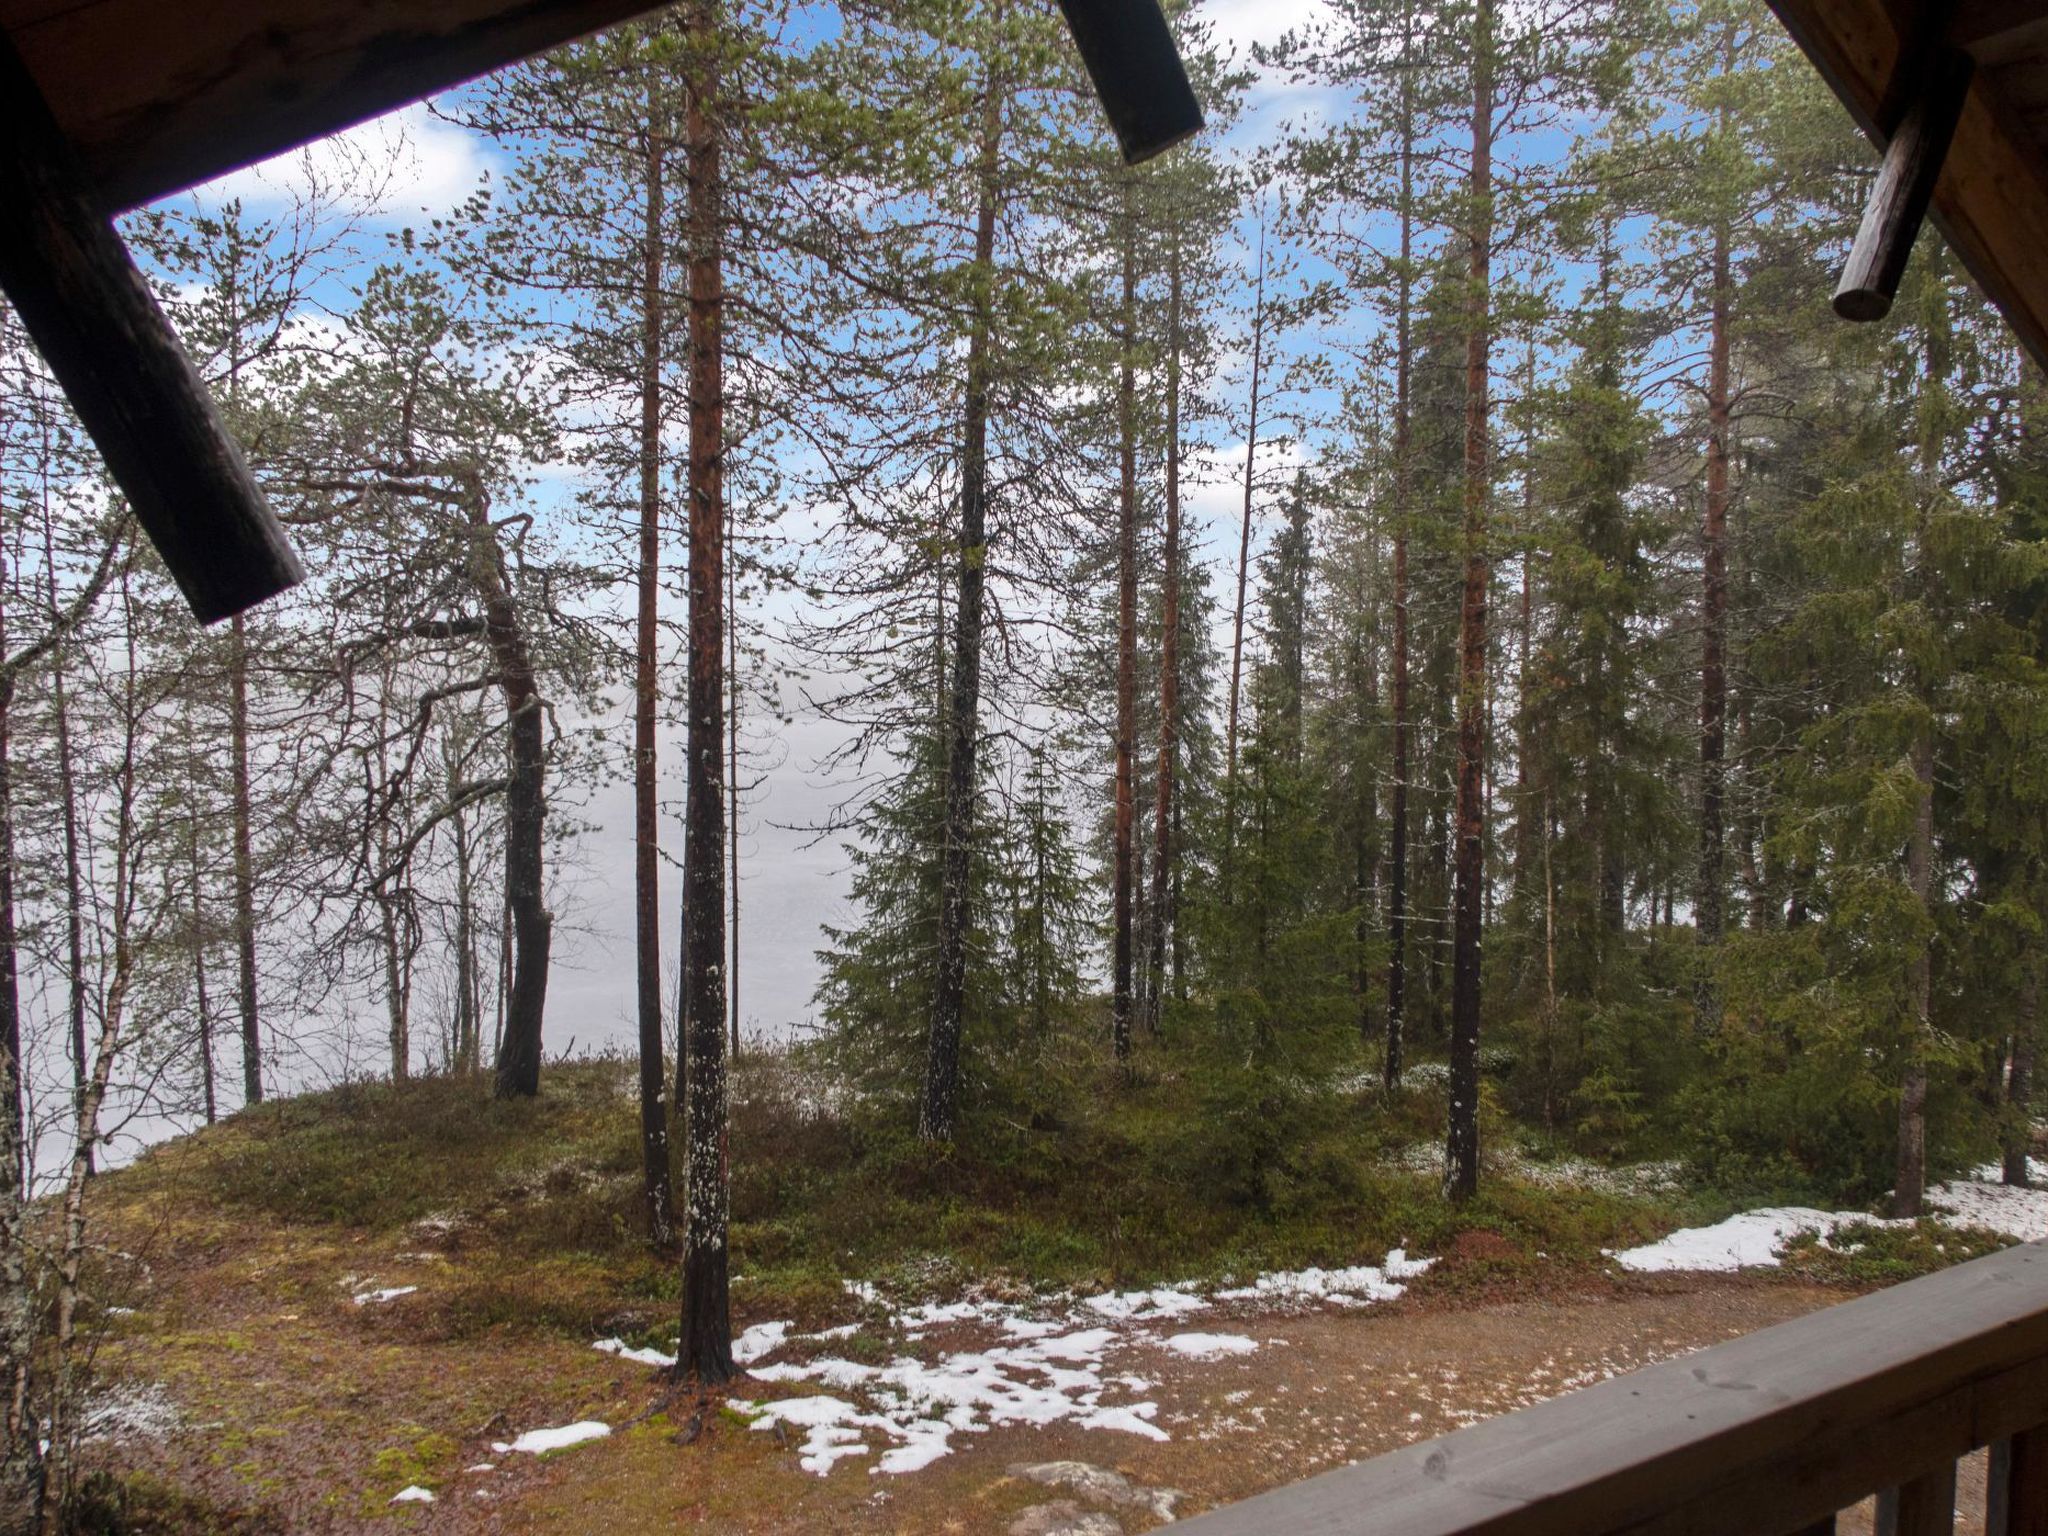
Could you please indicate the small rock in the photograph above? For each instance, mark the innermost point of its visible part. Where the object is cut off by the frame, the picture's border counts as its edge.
(1064, 1518)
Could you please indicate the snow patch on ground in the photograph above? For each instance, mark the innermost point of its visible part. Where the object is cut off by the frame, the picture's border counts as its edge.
(1210, 1346)
(1983, 1201)
(413, 1495)
(538, 1442)
(1757, 1239)
(647, 1356)
(131, 1411)
(366, 1298)
(1750, 1240)
(1052, 1365)
(1357, 1286)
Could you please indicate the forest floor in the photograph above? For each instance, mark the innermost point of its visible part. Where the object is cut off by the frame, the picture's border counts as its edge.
(254, 1374)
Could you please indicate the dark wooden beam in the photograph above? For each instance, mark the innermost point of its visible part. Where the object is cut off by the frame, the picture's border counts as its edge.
(1998, 31)
(91, 315)
(156, 95)
(1136, 69)
(1904, 188)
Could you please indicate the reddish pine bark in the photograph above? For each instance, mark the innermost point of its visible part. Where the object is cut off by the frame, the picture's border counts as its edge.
(705, 1353)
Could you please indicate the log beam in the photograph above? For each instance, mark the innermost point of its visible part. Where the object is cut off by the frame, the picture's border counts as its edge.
(1904, 189)
(92, 316)
(1137, 72)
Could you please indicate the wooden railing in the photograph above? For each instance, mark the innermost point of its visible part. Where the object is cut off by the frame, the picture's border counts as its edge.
(1767, 1435)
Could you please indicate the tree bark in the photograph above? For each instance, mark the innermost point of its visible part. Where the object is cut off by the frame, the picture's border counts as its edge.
(2019, 1087)
(1163, 787)
(1461, 1170)
(646, 783)
(74, 894)
(705, 1352)
(1126, 639)
(1709, 913)
(1397, 852)
(519, 1053)
(21, 1462)
(245, 866)
(936, 1116)
(1244, 562)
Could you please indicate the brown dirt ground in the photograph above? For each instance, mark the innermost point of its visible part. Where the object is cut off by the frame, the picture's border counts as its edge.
(296, 1401)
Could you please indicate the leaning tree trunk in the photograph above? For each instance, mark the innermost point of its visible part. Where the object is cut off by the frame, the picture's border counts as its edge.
(1461, 1170)
(1397, 849)
(963, 693)
(1126, 641)
(705, 1352)
(646, 786)
(1163, 852)
(532, 925)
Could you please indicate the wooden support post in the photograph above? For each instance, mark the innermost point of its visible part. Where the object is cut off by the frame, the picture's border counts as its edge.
(2026, 1484)
(1924, 1507)
(1137, 72)
(93, 318)
(1904, 187)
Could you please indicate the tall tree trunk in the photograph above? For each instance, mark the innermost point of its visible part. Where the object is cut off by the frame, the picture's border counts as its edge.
(67, 790)
(21, 1462)
(1461, 1170)
(2019, 1087)
(201, 1003)
(732, 766)
(1709, 902)
(468, 1012)
(1910, 1183)
(245, 864)
(963, 691)
(519, 1054)
(654, 1172)
(705, 1353)
(1163, 787)
(1397, 852)
(1244, 564)
(1126, 637)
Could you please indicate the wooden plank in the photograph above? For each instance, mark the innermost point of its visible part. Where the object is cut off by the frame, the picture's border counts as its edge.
(1927, 1504)
(1904, 187)
(93, 318)
(156, 96)
(1998, 31)
(1991, 201)
(2026, 1489)
(1765, 1434)
(1997, 1477)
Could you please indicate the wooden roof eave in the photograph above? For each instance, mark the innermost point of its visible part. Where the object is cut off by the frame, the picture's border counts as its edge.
(1991, 199)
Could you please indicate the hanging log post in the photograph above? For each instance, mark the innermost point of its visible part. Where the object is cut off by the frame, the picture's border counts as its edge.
(93, 318)
(1904, 187)
(1137, 73)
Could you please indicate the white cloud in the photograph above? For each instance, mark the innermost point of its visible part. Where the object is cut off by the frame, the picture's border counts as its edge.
(406, 162)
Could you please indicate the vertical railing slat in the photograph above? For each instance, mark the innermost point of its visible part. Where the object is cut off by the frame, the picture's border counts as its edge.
(1927, 1505)
(2026, 1484)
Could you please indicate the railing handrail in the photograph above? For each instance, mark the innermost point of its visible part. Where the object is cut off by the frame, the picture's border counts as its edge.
(1764, 1435)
